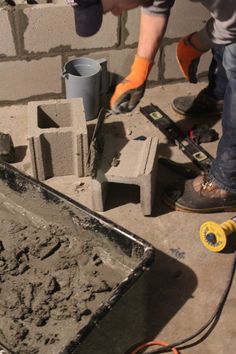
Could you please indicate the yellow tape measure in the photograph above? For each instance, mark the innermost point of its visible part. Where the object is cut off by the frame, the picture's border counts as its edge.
(214, 236)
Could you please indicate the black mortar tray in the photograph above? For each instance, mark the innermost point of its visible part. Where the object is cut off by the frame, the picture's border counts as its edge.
(140, 253)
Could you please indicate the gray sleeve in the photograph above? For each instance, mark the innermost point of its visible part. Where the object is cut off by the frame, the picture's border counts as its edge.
(219, 32)
(159, 7)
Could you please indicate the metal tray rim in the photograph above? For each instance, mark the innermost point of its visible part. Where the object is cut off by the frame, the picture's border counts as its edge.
(148, 251)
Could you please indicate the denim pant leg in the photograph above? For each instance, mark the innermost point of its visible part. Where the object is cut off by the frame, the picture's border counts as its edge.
(224, 167)
(216, 75)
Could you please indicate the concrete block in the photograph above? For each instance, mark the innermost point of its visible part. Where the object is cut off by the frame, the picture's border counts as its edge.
(7, 45)
(117, 165)
(132, 26)
(172, 70)
(186, 17)
(153, 75)
(23, 79)
(57, 135)
(57, 24)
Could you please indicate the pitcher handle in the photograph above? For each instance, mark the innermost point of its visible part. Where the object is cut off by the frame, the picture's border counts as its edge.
(64, 75)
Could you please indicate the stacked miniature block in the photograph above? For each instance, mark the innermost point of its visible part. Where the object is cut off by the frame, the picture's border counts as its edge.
(58, 140)
(129, 162)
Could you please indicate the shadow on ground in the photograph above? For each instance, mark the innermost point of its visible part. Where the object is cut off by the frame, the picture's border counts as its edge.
(20, 152)
(145, 309)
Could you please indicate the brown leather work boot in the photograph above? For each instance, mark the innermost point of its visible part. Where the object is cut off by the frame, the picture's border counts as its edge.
(200, 195)
(201, 105)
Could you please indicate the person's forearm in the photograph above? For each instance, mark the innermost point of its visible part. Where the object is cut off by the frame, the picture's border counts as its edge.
(152, 30)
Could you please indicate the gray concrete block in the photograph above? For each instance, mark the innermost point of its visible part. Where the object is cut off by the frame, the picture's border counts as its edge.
(140, 171)
(172, 70)
(57, 135)
(23, 79)
(7, 46)
(56, 23)
(132, 26)
(153, 76)
(186, 17)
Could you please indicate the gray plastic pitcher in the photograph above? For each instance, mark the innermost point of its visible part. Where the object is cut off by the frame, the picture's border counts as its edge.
(86, 78)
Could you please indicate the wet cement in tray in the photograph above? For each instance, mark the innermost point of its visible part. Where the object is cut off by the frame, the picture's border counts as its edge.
(53, 276)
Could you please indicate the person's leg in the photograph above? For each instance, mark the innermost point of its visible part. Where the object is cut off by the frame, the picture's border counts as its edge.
(209, 101)
(217, 78)
(224, 166)
(217, 190)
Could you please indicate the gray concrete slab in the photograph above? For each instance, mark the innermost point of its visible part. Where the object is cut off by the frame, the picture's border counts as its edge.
(180, 292)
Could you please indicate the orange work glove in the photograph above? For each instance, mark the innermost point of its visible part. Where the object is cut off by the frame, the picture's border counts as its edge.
(129, 92)
(188, 58)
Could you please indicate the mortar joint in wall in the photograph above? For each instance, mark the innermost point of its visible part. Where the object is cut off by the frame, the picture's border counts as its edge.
(169, 41)
(124, 33)
(161, 64)
(83, 52)
(32, 98)
(21, 23)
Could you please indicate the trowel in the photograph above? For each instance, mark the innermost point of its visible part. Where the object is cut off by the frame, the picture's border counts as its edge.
(96, 145)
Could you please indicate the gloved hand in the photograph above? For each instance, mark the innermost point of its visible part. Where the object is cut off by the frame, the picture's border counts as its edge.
(188, 57)
(129, 92)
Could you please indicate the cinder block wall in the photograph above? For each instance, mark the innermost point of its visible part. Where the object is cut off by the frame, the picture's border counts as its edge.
(37, 40)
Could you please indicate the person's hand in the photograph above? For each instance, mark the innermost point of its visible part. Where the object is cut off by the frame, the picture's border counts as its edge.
(188, 54)
(129, 92)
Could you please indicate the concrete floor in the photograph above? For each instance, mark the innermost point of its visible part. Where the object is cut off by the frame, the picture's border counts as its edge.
(180, 292)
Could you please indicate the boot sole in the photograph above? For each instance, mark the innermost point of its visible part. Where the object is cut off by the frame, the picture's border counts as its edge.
(178, 207)
(184, 114)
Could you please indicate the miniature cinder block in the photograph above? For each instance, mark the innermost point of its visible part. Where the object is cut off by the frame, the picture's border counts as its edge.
(57, 135)
(129, 162)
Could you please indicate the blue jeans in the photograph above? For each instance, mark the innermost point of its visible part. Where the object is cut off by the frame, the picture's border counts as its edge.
(222, 85)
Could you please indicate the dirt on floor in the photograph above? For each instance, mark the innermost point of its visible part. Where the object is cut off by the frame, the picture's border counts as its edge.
(52, 279)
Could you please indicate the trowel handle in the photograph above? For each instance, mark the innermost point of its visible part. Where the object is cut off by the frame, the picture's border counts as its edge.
(104, 76)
